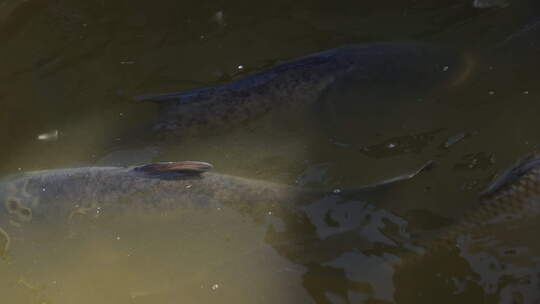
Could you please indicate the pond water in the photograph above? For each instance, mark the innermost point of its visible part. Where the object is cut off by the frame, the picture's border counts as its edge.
(70, 72)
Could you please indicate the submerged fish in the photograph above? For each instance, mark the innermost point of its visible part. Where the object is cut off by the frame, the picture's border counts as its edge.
(492, 251)
(301, 82)
(513, 197)
(56, 197)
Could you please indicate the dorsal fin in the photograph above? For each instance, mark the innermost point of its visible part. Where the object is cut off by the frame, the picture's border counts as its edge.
(511, 175)
(182, 167)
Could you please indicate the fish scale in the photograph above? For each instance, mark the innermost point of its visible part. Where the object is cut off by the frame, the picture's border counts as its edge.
(512, 201)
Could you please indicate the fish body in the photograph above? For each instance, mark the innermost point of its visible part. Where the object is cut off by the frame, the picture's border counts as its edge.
(512, 198)
(492, 249)
(302, 81)
(54, 196)
(58, 198)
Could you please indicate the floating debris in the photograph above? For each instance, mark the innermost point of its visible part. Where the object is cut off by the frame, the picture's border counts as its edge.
(470, 185)
(49, 136)
(481, 160)
(219, 18)
(391, 147)
(341, 144)
(454, 139)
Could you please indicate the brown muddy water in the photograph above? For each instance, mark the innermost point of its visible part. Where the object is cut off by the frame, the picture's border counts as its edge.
(69, 72)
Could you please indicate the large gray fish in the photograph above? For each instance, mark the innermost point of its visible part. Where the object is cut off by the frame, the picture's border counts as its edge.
(56, 197)
(302, 81)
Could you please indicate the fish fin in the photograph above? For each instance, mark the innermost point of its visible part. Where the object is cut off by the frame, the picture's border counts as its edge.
(363, 190)
(183, 167)
(512, 174)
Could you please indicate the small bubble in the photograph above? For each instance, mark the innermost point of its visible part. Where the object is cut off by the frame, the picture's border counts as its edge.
(188, 186)
(526, 92)
(43, 189)
(202, 37)
(269, 212)
(118, 238)
(391, 145)
(215, 287)
(445, 68)
(491, 92)
(336, 191)
(19, 169)
(240, 67)
(121, 114)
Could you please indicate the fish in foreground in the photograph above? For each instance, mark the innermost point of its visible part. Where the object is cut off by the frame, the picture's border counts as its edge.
(55, 197)
(302, 81)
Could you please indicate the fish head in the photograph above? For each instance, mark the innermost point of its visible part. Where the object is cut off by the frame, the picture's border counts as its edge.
(15, 202)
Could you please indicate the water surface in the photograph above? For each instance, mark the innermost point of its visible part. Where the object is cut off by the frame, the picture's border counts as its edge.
(74, 66)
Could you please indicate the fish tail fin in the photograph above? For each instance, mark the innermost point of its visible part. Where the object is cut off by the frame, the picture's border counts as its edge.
(364, 191)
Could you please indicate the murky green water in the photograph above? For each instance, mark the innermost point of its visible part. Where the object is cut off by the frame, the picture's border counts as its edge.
(74, 66)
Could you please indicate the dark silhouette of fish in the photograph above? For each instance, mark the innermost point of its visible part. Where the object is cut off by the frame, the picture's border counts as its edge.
(301, 82)
(513, 196)
(500, 230)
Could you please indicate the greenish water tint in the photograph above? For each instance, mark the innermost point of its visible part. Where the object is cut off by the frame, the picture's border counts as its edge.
(70, 70)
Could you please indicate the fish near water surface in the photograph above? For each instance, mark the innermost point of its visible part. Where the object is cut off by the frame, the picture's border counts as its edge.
(302, 81)
(58, 197)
